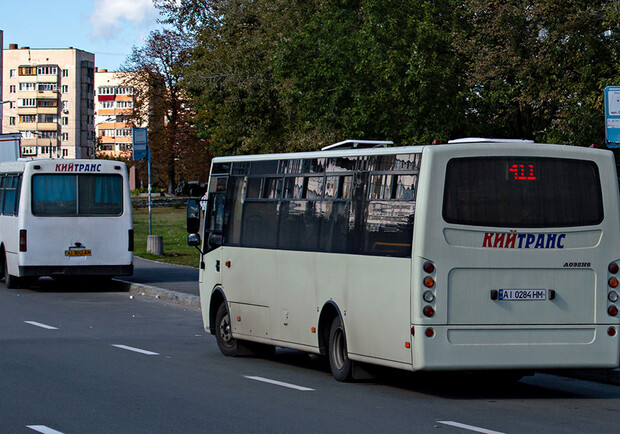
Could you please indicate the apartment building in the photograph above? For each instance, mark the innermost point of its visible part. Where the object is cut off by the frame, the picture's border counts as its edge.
(114, 105)
(51, 94)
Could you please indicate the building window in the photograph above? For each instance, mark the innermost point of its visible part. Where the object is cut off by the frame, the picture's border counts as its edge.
(106, 104)
(27, 70)
(124, 104)
(12, 88)
(106, 90)
(27, 118)
(123, 132)
(65, 120)
(48, 118)
(65, 88)
(47, 86)
(65, 73)
(65, 137)
(47, 70)
(12, 73)
(47, 103)
(27, 86)
(27, 102)
(65, 105)
(12, 120)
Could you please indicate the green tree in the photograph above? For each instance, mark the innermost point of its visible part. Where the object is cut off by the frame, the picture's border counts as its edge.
(155, 70)
(537, 69)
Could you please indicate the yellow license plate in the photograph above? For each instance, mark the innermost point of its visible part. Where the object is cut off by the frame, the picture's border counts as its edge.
(78, 252)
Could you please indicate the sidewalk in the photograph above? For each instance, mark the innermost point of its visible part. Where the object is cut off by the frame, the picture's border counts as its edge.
(179, 284)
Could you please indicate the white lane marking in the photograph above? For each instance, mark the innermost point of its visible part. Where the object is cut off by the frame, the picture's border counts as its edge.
(279, 383)
(136, 350)
(43, 326)
(43, 429)
(469, 427)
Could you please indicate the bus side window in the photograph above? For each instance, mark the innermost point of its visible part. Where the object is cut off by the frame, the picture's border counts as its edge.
(215, 213)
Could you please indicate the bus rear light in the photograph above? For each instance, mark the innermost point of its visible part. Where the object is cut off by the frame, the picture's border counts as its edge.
(612, 296)
(612, 310)
(428, 311)
(428, 267)
(613, 282)
(23, 240)
(429, 332)
(611, 331)
(428, 296)
(613, 268)
(429, 282)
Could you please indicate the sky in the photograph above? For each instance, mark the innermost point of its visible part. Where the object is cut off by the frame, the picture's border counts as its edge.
(107, 28)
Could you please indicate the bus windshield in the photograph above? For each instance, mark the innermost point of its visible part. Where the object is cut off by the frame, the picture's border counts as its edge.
(522, 192)
(77, 195)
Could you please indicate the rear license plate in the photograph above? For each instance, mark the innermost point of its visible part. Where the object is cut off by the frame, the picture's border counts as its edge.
(78, 252)
(523, 294)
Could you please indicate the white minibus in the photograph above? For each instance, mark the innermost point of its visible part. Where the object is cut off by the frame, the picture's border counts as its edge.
(494, 255)
(64, 218)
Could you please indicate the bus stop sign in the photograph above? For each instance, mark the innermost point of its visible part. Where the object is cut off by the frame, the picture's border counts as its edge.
(140, 144)
(612, 116)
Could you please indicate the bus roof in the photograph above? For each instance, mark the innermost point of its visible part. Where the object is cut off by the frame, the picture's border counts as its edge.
(473, 143)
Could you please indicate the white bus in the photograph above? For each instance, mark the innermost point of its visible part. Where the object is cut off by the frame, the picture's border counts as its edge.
(473, 255)
(64, 218)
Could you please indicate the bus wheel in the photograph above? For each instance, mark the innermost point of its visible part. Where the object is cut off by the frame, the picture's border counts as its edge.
(223, 332)
(339, 361)
(12, 282)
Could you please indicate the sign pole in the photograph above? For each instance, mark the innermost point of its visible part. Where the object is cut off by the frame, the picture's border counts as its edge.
(148, 152)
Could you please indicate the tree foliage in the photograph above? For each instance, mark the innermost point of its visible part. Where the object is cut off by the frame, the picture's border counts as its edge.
(282, 75)
(156, 71)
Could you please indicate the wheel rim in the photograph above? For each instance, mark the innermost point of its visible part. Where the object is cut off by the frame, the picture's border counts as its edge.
(225, 331)
(338, 349)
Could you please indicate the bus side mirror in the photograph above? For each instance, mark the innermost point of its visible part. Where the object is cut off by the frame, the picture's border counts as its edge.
(193, 217)
(193, 240)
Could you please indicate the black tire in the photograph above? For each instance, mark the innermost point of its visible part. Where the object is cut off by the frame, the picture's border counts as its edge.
(11, 282)
(223, 332)
(341, 366)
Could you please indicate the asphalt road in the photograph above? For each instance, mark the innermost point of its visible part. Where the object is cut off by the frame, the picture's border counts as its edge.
(96, 361)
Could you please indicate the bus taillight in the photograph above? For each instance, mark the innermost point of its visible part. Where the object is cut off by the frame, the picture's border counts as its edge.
(23, 245)
(613, 268)
(611, 331)
(612, 310)
(613, 282)
(428, 311)
(429, 282)
(428, 267)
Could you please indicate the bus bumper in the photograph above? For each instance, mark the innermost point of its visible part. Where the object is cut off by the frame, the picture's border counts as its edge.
(87, 270)
(523, 347)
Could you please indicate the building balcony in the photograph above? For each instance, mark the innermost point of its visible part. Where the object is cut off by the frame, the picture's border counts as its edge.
(47, 110)
(47, 126)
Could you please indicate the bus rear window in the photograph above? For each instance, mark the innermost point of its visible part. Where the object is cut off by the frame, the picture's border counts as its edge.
(77, 195)
(520, 192)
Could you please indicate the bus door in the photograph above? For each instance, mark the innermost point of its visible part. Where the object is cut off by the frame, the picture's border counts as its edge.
(213, 232)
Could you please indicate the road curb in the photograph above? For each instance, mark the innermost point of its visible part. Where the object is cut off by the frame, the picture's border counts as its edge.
(158, 293)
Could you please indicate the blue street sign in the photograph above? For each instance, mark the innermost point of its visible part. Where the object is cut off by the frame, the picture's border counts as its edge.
(140, 144)
(612, 116)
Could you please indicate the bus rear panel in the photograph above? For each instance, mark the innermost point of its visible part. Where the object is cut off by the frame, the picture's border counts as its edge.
(522, 242)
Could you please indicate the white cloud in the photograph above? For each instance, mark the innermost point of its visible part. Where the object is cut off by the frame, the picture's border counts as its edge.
(110, 16)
